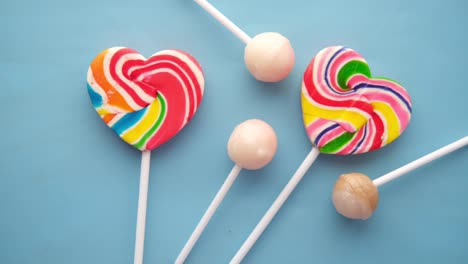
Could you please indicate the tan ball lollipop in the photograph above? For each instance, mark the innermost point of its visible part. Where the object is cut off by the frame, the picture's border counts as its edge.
(356, 196)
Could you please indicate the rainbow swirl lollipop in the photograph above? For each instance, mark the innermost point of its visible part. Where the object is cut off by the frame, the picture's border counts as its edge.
(145, 102)
(345, 111)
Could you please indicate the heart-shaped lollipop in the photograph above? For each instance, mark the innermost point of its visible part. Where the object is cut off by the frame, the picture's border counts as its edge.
(345, 109)
(145, 101)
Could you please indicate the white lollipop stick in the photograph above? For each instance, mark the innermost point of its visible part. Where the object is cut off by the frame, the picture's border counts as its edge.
(269, 56)
(142, 202)
(208, 214)
(282, 197)
(252, 145)
(421, 161)
(224, 20)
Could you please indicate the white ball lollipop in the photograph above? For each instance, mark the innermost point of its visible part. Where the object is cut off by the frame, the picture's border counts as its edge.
(252, 145)
(269, 56)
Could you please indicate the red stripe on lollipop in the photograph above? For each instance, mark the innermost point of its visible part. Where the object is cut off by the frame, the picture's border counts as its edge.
(129, 90)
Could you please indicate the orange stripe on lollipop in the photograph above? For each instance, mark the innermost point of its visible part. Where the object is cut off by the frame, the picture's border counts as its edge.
(107, 118)
(114, 98)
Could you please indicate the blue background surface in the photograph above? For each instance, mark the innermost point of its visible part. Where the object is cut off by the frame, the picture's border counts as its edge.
(69, 186)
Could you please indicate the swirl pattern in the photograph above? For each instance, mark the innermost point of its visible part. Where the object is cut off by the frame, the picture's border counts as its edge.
(345, 109)
(145, 101)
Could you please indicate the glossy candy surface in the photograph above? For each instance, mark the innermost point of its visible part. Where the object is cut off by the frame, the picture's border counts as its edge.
(348, 111)
(146, 102)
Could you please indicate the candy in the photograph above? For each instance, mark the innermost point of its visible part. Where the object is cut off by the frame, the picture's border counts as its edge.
(356, 196)
(145, 101)
(252, 145)
(345, 109)
(268, 56)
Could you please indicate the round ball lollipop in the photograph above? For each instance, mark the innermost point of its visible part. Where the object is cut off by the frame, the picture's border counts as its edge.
(345, 111)
(252, 145)
(268, 56)
(356, 196)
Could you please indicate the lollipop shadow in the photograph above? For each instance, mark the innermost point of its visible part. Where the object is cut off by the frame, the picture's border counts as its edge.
(281, 88)
(349, 227)
(252, 180)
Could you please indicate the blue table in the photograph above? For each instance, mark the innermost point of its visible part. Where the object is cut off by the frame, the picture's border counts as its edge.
(69, 185)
